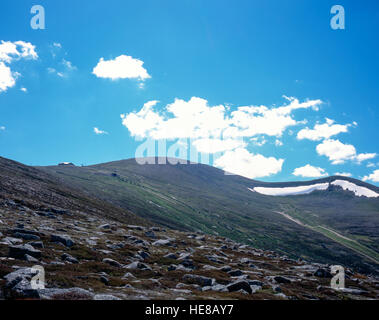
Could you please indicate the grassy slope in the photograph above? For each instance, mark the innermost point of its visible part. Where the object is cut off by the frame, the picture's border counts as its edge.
(38, 190)
(199, 197)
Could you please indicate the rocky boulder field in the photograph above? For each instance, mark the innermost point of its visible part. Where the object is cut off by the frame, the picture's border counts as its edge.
(87, 257)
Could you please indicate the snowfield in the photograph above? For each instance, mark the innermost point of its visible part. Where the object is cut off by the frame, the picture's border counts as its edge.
(358, 190)
(289, 191)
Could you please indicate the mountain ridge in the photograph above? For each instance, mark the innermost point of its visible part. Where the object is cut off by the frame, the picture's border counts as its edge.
(198, 197)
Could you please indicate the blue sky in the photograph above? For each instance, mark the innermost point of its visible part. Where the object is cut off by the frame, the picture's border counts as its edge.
(209, 58)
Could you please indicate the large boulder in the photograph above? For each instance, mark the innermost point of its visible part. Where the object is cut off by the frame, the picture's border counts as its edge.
(17, 284)
(239, 285)
(280, 279)
(65, 294)
(26, 236)
(19, 251)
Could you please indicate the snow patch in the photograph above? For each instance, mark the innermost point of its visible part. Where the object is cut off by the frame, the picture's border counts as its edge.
(358, 190)
(287, 191)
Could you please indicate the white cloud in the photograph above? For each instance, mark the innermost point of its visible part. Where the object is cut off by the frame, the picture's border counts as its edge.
(57, 45)
(372, 177)
(253, 120)
(258, 141)
(344, 174)
(98, 131)
(365, 156)
(68, 65)
(339, 153)
(10, 51)
(244, 163)
(7, 79)
(24, 89)
(278, 143)
(196, 119)
(322, 131)
(64, 71)
(310, 172)
(122, 67)
(2, 128)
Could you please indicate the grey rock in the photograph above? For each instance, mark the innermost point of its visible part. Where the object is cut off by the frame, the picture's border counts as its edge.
(172, 267)
(112, 262)
(280, 279)
(30, 258)
(150, 234)
(11, 241)
(235, 273)
(226, 268)
(128, 275)
(196, 279)
(17, 284)
(69, 258)
(255, 283)
(144, 255)
(137, 265)
(162, 242)
(65, 294)
(63, 239)
(239, 285)
(105, 297)
(322, 273)
(26, 236)
(104, 280)
(37, 244)
(19, 251)
(171, 256)
(138, 228)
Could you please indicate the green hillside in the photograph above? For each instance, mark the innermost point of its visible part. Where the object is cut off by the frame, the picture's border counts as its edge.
(200, 197)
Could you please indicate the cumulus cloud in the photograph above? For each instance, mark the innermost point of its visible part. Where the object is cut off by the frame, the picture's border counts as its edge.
(344, 174)
(98, 131)
(339, 153)
(2, 128)
(310, 172)
(322, 131)
(122, 67)
(372, 177)
(196, 119)
(24, 89)
(9, 52)
(7, 79)
(241, 162)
